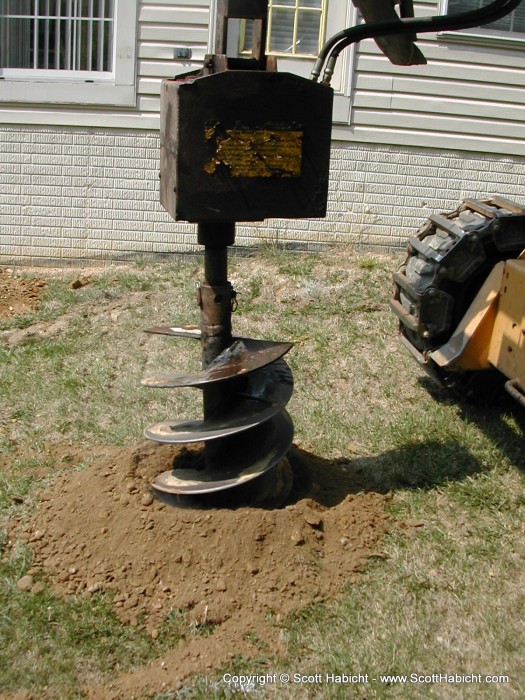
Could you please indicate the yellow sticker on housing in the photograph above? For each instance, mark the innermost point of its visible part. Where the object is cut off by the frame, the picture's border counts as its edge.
(257, 153)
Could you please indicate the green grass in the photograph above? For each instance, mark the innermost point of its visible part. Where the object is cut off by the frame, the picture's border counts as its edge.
(447, 597)
(47, 642)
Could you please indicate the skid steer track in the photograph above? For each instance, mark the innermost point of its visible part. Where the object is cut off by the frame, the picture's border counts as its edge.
(447, 262)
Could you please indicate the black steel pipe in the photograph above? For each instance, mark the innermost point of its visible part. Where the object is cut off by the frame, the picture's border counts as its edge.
(215, 295)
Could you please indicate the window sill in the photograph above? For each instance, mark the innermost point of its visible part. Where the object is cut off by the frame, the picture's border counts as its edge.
(67, 93)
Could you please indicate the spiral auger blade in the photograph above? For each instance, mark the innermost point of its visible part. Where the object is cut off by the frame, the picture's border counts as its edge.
(246, 435)
(246, 385)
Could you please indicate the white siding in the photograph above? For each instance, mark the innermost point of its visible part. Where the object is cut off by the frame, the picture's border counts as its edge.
(77, 195)
(163, 27)
(80, 184)
(467, 97)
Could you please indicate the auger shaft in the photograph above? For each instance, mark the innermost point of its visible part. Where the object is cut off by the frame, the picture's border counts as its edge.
(215, 297)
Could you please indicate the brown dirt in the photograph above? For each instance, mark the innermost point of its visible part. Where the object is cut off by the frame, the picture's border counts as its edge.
(233, 574)
(18, 295)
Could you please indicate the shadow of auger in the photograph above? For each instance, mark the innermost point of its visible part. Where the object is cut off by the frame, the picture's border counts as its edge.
(421, 465)
(329, 481)
(417, 465)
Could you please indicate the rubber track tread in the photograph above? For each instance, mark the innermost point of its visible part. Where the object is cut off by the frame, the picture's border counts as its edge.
(429, 299)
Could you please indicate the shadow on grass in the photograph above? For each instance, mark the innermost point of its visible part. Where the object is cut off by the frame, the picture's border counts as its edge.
(490, 408)
(420, 465)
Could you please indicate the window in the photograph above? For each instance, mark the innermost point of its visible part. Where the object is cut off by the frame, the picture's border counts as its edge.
(507, 30)
(57, 34)
(295, 28)
(69, 50)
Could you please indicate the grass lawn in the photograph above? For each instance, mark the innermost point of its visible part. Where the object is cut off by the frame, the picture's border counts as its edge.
(447, 594)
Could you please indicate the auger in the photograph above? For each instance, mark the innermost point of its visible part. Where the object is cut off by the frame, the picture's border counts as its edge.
(239, 142)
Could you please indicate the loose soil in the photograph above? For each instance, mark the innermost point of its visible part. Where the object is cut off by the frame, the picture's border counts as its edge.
(18, 295)
(230, 575)
(226, 576)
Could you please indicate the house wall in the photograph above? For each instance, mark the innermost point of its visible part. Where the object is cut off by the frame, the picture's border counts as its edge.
(469, 96)
(91, 195)
(81, 184)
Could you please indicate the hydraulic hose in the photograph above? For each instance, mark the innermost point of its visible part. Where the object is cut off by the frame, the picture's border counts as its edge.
(412, 25)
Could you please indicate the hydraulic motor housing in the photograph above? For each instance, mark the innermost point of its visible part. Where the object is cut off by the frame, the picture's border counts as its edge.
(244, 145)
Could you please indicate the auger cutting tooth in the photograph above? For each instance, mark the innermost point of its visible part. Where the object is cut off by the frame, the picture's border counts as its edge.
(176, 331)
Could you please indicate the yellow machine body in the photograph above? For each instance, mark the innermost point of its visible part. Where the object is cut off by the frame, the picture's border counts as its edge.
(491, 334)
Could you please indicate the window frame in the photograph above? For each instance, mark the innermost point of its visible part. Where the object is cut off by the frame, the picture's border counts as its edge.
(275, 5)
(241, 33)
(482, 36)
(111, 88)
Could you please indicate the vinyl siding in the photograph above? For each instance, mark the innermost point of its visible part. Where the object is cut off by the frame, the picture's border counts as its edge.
(467, 97)
(163, 27)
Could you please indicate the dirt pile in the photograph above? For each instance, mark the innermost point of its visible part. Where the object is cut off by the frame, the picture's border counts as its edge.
(236, 571)
(18, 295)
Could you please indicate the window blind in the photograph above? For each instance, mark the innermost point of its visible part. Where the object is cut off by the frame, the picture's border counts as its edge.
(70, 35)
